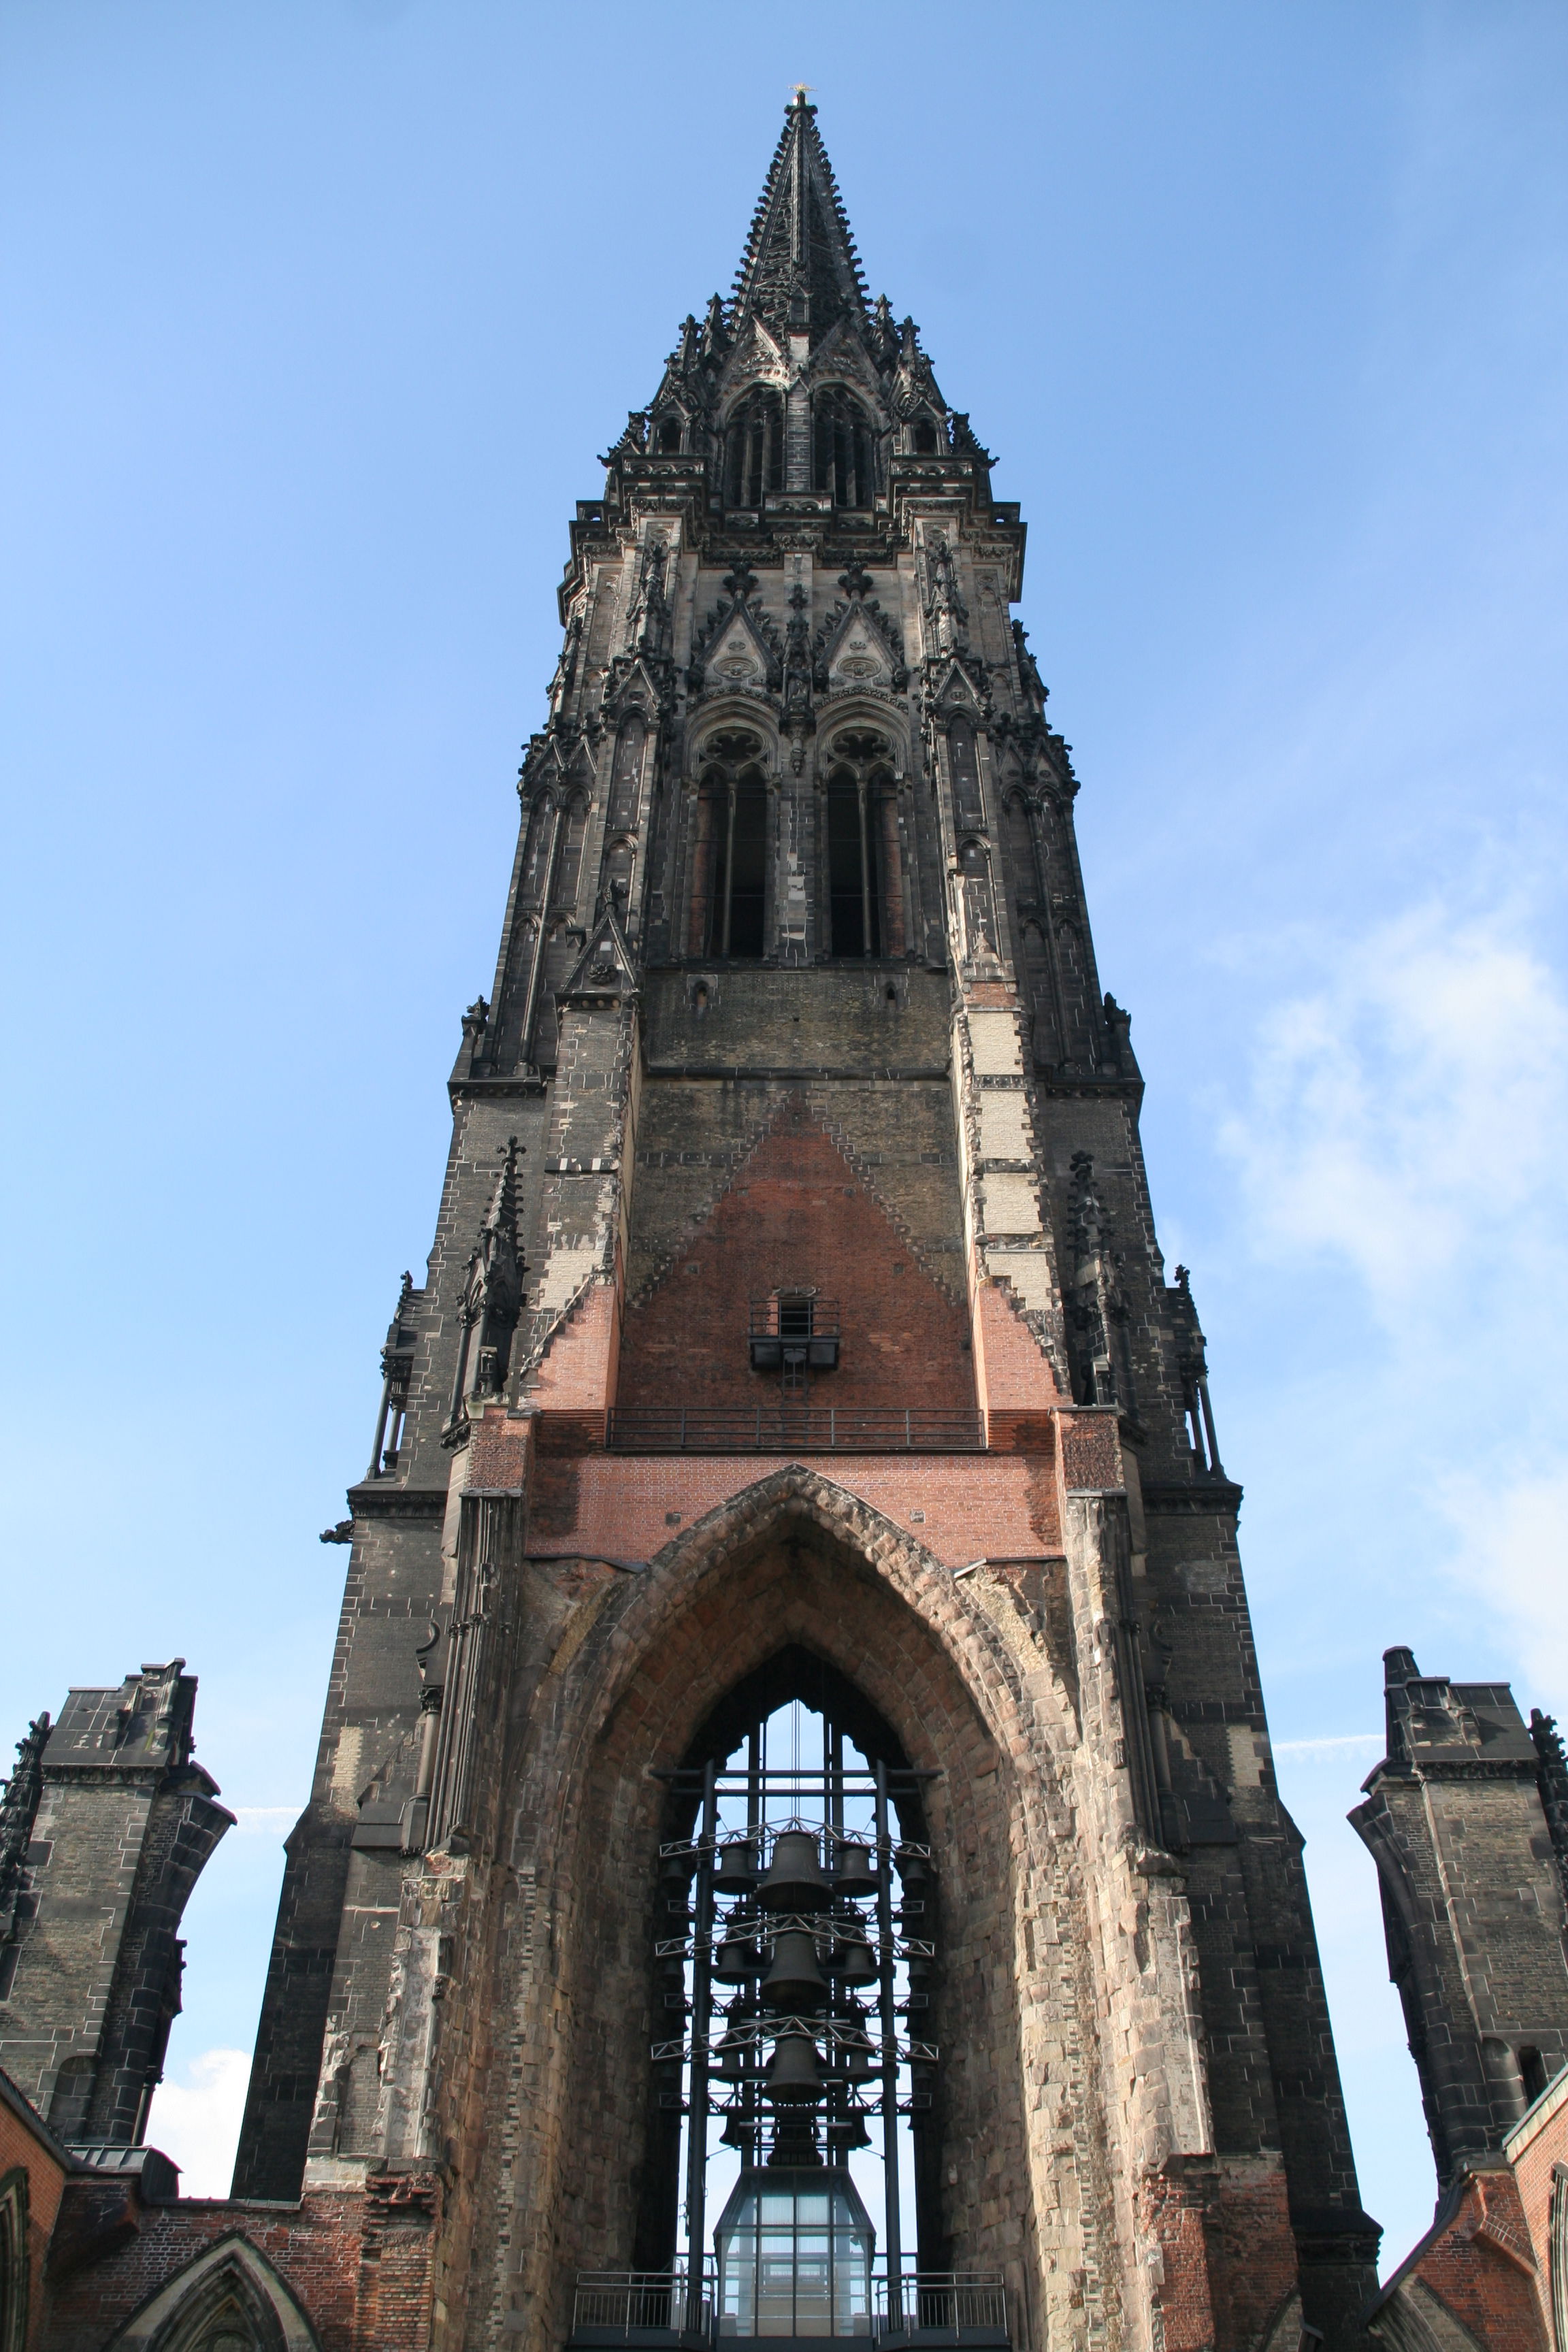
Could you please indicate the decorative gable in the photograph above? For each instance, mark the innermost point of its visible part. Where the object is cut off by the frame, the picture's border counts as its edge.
(858, 644)
(739, 647)
(604, 970)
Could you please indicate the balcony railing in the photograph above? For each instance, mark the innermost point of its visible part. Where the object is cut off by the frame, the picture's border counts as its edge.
(943, 2308)
(651, 2307)
(785, 1429)
(636, 2308)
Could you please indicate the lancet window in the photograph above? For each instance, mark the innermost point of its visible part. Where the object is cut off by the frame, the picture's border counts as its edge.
(730, 906)
(753, 449)
(844, 449)
(794, 1949)
(861, 845)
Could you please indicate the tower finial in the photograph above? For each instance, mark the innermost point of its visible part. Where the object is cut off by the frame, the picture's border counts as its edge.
(800, 269)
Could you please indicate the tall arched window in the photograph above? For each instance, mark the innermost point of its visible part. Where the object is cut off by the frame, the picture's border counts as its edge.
(754, 448)
(625, 774)
(733, 831)
(793, 1840)
(843, 448)
(969, 808)
(859, 777)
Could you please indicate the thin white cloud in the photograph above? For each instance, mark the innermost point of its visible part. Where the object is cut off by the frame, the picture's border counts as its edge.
(1407, 1118)
(197, 2122)
(1326, 1745)
(1512, 1536)
(264, 1821)
(1411, 1108)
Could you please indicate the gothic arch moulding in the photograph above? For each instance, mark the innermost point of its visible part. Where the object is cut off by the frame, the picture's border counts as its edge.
(862, 712)
(796, 1562)
(725, 714)
(230, 2299)
(16, 2260)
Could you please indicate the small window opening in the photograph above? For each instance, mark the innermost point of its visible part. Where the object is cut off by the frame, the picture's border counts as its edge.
(793, 1333)
(925, 438)
(1533, 2073)
(669, 438)
(843, 448)
(753, 449)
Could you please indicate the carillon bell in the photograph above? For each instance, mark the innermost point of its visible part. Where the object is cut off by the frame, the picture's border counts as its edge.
(796, 1881)
(856, 2060)
(736, 1958)
(735, 1872)
(730, 2051)
(793, 2077)
(855, 1963)
(854, 1879)
(794, 1980)
(913, 1869)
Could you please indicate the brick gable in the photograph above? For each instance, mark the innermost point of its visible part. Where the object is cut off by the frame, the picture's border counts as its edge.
(798, 1213)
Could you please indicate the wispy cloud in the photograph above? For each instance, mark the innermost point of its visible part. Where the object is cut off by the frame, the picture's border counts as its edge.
(197, 2122)
(1327, 1746)
(1410, 1110)
(1406, 1119)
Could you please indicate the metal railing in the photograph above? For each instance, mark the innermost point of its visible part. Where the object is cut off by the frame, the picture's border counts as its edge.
(610, 2303)
(783, 1429)
(793, 1318)
(954, 2307)
(960, 2306)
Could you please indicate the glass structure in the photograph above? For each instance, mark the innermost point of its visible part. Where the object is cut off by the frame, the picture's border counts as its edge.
(795, 2255)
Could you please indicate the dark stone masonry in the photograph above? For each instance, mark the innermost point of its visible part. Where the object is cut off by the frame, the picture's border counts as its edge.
(794, 1338)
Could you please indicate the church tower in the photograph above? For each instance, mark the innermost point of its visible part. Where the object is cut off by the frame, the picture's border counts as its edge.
(795, 1849)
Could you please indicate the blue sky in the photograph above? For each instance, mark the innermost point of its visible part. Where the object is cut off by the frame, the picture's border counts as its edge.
(313, 318)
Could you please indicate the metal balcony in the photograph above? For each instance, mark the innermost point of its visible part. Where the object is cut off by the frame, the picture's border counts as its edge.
(941, 2307)
(796, 1334)
(646, 2307)
(652, 2309)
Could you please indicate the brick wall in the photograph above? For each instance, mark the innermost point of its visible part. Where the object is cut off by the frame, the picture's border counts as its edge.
(358, 2261)
(798, 1215)
(27, 2147)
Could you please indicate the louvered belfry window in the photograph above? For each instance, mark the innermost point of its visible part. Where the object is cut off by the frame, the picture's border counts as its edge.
(753, 449)
(843, 448)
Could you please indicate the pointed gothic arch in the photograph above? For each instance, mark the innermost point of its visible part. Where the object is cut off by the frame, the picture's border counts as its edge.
(754, 447)
(843, 448)
(16, 2260)
(228, 2296)
(795, 1561)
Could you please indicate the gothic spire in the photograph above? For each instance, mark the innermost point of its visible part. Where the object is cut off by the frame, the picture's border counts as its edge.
(800, 268)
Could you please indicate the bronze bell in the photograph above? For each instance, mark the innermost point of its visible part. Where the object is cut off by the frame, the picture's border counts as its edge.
(855, 1963)
(855, 2058)
(913, 1869)
(735, 1872)
(794, 1980)
(792, 2078)
(844, 2132)
(730, 2052)
(795, 1881)
(854, 1879)
(736, 1958)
